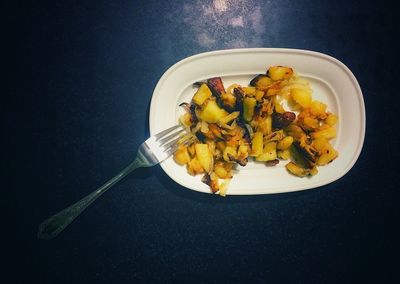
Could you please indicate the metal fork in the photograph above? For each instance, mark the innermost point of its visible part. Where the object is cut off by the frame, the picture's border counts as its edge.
(151, 152)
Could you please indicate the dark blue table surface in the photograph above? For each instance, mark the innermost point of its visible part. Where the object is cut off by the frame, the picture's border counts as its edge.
(82, 90)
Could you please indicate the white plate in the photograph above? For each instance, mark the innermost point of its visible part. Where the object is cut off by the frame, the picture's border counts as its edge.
(332, 83)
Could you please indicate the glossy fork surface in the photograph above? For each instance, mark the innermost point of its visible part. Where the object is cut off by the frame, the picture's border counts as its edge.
(151, 152)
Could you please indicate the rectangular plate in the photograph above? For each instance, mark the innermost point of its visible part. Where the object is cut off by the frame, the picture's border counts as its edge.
(332, 83)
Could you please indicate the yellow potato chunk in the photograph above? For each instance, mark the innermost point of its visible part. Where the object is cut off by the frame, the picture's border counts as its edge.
(194, 167)
(296, 170)
(249, 91)
(280, 73)
(202, 94)
(327, 157)
(317, 108)
(327, 133)
(320, 143)
(259, 95)
(301, 97)
(231, 150)
(205, 157)
(211, 112)
(264, 82)
(265, 125)
(331, 120)
(181, 156)
(269, 153)
(248, 108)
(223, 170)
(224, 187)
(257, 144)
(283, 154)
(310, 122)
(229, 117)
(285, 143)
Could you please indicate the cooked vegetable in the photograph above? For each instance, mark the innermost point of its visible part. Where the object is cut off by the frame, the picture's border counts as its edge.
(211, 112)
(257, 144)
(261, 81)
(181, 156)
(296, 170)
(269, 153)
(202, 94)
(285, 143)
(279, 72)
(230, 125)
(239, 95)
(302, 97)
(248, 108)
(216, 86)
(205, 157)
(281, 120)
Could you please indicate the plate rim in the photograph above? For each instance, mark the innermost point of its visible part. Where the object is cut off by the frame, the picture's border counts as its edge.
(324, 56)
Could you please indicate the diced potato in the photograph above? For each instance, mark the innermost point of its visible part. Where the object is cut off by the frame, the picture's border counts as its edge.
(228, 100)
(194, 167)
(301, 96)
(310, 123)
(296, 170)
(224, 122)
(327, 133)
(313, 171)
(202, 94)
(264, 82)
(259, 95)
(257, 144)
(317, 108)
(243, 152)
(221, 145)
(269, 153)
(331, 120)
(204, 127)
(222, 170)
(285, 143)
(283, 154)
(224, 187)
(248, 108)
(211, 112)
(278, 107)
(327, 157)
(249, 91)
(295, 131)
(186, 120)
(181, 156)
(265, 125)
(192, 150)
(274, 89)
(280, 73)
(319, 144)
(204, 156)
(229, 117)
(231, 150)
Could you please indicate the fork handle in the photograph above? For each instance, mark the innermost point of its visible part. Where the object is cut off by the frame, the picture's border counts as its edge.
(52, 226)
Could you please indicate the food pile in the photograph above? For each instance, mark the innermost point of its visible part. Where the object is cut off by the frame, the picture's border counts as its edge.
(229, 126)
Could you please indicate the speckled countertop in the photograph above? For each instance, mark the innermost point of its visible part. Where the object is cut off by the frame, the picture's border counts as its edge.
(85, 77)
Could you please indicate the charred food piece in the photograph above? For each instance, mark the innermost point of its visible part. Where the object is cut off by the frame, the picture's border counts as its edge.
(239, 95)
(303, 154)
(281, 120)
(216, 86)
(240, 162)
(213, 184)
